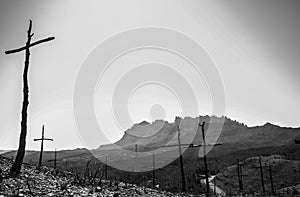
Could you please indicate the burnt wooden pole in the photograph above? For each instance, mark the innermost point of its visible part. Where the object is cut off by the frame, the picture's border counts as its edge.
(55, 159)
(105, 168)
(262, 176)
(239, 176)
(183, 187)
(271, 180)
(153, 171)
(16, 167)
(204, 158)
(42, 144)
(137, 177)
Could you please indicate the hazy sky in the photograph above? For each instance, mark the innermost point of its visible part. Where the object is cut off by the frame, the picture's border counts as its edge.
(255, 45)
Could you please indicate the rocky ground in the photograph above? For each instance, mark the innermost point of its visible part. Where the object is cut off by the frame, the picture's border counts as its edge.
(34, 181)
(285, 177)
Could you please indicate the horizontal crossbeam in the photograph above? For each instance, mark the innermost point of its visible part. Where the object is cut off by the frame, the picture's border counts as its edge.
(31, 45)
(43, 139)
(260, 167)
(192, 145)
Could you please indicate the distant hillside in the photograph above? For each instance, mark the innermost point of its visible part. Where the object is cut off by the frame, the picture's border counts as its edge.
(3, 151)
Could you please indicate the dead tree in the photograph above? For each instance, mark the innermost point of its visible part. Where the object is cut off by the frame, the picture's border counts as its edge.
(16, 167)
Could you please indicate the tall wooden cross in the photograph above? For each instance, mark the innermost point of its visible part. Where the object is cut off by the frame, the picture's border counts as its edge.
(204, 156)
(16, 167)
(42, 144)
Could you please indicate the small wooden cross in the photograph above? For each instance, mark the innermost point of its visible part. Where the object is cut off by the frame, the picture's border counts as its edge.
(260, 167)
(42, 145)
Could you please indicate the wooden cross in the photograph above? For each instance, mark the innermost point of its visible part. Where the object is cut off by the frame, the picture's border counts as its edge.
(54, 160)
(260, 167)
(193, 146)
(240, 175)
(42, 145)
(16, 167)
(204, 156)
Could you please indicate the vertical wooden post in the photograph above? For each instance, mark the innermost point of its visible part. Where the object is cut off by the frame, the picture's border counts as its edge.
(55, 159)
(105, 168)
(205, 159)
(271, 180)
(16, 167)
(183, 187)
(153, 171)
(42, 145)
(239, 175)
(136, 163)
(262, 175)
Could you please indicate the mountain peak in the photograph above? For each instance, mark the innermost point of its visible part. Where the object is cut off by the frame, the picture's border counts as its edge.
(143, 123)
(268, 124)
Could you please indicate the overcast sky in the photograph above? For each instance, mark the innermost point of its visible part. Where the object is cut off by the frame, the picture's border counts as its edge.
(255, 45)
